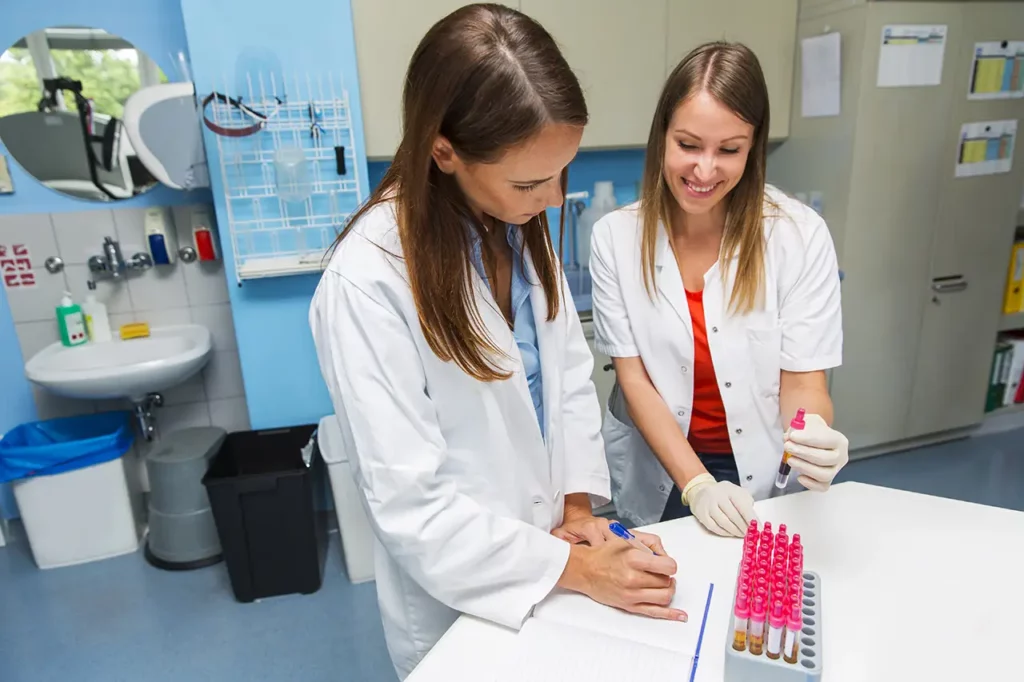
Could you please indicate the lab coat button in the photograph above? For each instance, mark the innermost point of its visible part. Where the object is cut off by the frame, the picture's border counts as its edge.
(681, 413)
(750, 478)
(661, 488)
(685, 370)
(739, 431)
(538, 500)
(714, 329)
(728, 384)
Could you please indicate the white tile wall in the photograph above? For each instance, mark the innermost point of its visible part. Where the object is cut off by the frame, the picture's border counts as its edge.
(177, 294)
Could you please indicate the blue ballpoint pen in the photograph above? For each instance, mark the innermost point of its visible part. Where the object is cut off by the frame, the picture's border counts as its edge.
(623, 533)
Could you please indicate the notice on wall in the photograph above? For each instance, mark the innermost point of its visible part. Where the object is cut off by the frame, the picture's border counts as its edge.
(911, 55)
(997, 71)
(16, 267)
(6, 186)
(986, 148)
(820, 76)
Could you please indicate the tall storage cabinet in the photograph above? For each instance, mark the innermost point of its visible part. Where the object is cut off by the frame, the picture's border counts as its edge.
(924, 252)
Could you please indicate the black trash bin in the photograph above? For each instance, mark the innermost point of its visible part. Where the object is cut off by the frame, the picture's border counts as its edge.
(262, 495)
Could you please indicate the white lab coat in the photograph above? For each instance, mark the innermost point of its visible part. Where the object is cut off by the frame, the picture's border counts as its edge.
(460, 487)
(799, 329)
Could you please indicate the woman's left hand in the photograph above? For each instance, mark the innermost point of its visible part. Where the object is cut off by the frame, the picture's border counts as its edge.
(594, 531)
(817, 452)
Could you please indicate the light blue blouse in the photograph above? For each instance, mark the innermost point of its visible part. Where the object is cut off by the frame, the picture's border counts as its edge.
(524, 327)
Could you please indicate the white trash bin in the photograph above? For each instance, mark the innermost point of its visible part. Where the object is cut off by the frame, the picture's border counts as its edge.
(82, 515)
(356, 535)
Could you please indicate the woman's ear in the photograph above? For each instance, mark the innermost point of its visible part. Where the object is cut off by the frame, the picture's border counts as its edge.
(444, 154)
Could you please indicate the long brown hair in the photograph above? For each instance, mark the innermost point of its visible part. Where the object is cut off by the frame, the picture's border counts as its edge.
(487, 78)
(731, 74)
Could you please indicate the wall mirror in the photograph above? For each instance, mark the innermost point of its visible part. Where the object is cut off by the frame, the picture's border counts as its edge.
(62, 95)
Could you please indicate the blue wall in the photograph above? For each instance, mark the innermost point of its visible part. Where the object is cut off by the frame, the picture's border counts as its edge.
(227, 40)
(153, 26)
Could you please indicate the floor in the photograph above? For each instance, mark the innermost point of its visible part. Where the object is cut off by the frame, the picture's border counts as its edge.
(122, 620)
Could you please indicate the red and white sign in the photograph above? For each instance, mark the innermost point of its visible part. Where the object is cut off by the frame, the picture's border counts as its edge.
(16, 266)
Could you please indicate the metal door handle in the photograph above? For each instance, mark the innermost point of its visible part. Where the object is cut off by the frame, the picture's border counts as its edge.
(948, 286)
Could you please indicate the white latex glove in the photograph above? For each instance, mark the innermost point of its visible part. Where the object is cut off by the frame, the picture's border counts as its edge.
(722, 507)
(817, 452)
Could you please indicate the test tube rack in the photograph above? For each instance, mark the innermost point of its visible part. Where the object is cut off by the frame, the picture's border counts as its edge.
(742, 666)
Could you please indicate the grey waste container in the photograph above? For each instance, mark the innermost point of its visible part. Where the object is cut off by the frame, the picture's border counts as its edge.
(182, 532)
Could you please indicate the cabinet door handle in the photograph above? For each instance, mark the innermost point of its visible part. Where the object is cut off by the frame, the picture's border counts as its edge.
(949, 286)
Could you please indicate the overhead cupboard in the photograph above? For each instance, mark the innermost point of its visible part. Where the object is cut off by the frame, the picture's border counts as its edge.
(621, 51)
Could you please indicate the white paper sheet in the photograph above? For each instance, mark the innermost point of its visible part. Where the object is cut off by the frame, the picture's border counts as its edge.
(997, 71)
(577, 610)
(820, 75)
(550, 652)
(986, 148)
(911, 55)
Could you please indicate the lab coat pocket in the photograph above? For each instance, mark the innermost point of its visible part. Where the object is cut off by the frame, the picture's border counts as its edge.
(765, 345)
(617, 431)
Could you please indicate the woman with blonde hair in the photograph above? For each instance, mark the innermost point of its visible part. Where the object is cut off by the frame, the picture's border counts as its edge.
(717, 296)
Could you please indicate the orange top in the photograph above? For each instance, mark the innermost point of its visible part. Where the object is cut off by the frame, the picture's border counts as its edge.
(709, 433)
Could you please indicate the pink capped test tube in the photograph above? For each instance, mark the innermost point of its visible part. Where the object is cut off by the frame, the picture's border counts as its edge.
(776, 627)
(793, 626)
(755, 635)
(741, 614)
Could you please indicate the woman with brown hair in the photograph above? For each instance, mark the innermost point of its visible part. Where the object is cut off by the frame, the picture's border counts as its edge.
(717, 296)
(455, 358)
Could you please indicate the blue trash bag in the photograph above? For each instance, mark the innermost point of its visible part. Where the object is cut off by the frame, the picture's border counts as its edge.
(59, 445)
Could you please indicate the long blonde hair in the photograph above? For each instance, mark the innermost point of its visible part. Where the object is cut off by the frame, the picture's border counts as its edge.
(731, 74)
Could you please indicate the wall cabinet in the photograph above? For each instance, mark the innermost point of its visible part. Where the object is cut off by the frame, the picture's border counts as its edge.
(615, 50)
(387, 32)
(621, 52)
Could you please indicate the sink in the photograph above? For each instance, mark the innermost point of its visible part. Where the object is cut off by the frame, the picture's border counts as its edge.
(122, 369)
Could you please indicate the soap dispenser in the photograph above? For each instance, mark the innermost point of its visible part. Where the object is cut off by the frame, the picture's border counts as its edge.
(71, 322)
(97, 322)
(160, 235)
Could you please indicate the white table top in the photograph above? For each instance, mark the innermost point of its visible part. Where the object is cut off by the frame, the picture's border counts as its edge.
(913, 587)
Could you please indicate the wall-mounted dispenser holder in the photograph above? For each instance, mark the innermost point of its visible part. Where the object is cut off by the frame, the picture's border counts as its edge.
(161, 238)
(203, 238)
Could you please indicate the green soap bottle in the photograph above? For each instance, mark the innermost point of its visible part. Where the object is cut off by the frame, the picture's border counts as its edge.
(71, 322)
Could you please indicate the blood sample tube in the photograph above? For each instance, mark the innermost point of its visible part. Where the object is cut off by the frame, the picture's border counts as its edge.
(776, 626)
(768, 526)
(793, 627)
(741, 614)
(782, 478)
(752, 526)
(755, 634)
(796, 540)
(782, 529)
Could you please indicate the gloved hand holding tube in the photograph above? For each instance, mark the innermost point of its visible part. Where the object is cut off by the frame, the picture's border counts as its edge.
(816, 452)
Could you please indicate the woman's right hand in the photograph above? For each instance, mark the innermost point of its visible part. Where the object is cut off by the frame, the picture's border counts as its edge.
(617, 574)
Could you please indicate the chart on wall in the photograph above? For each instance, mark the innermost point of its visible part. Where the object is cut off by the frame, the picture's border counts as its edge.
(986, 148)
(911, 55)
(997, 71)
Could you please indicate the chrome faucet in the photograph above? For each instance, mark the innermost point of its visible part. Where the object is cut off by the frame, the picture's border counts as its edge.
(112, 264)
